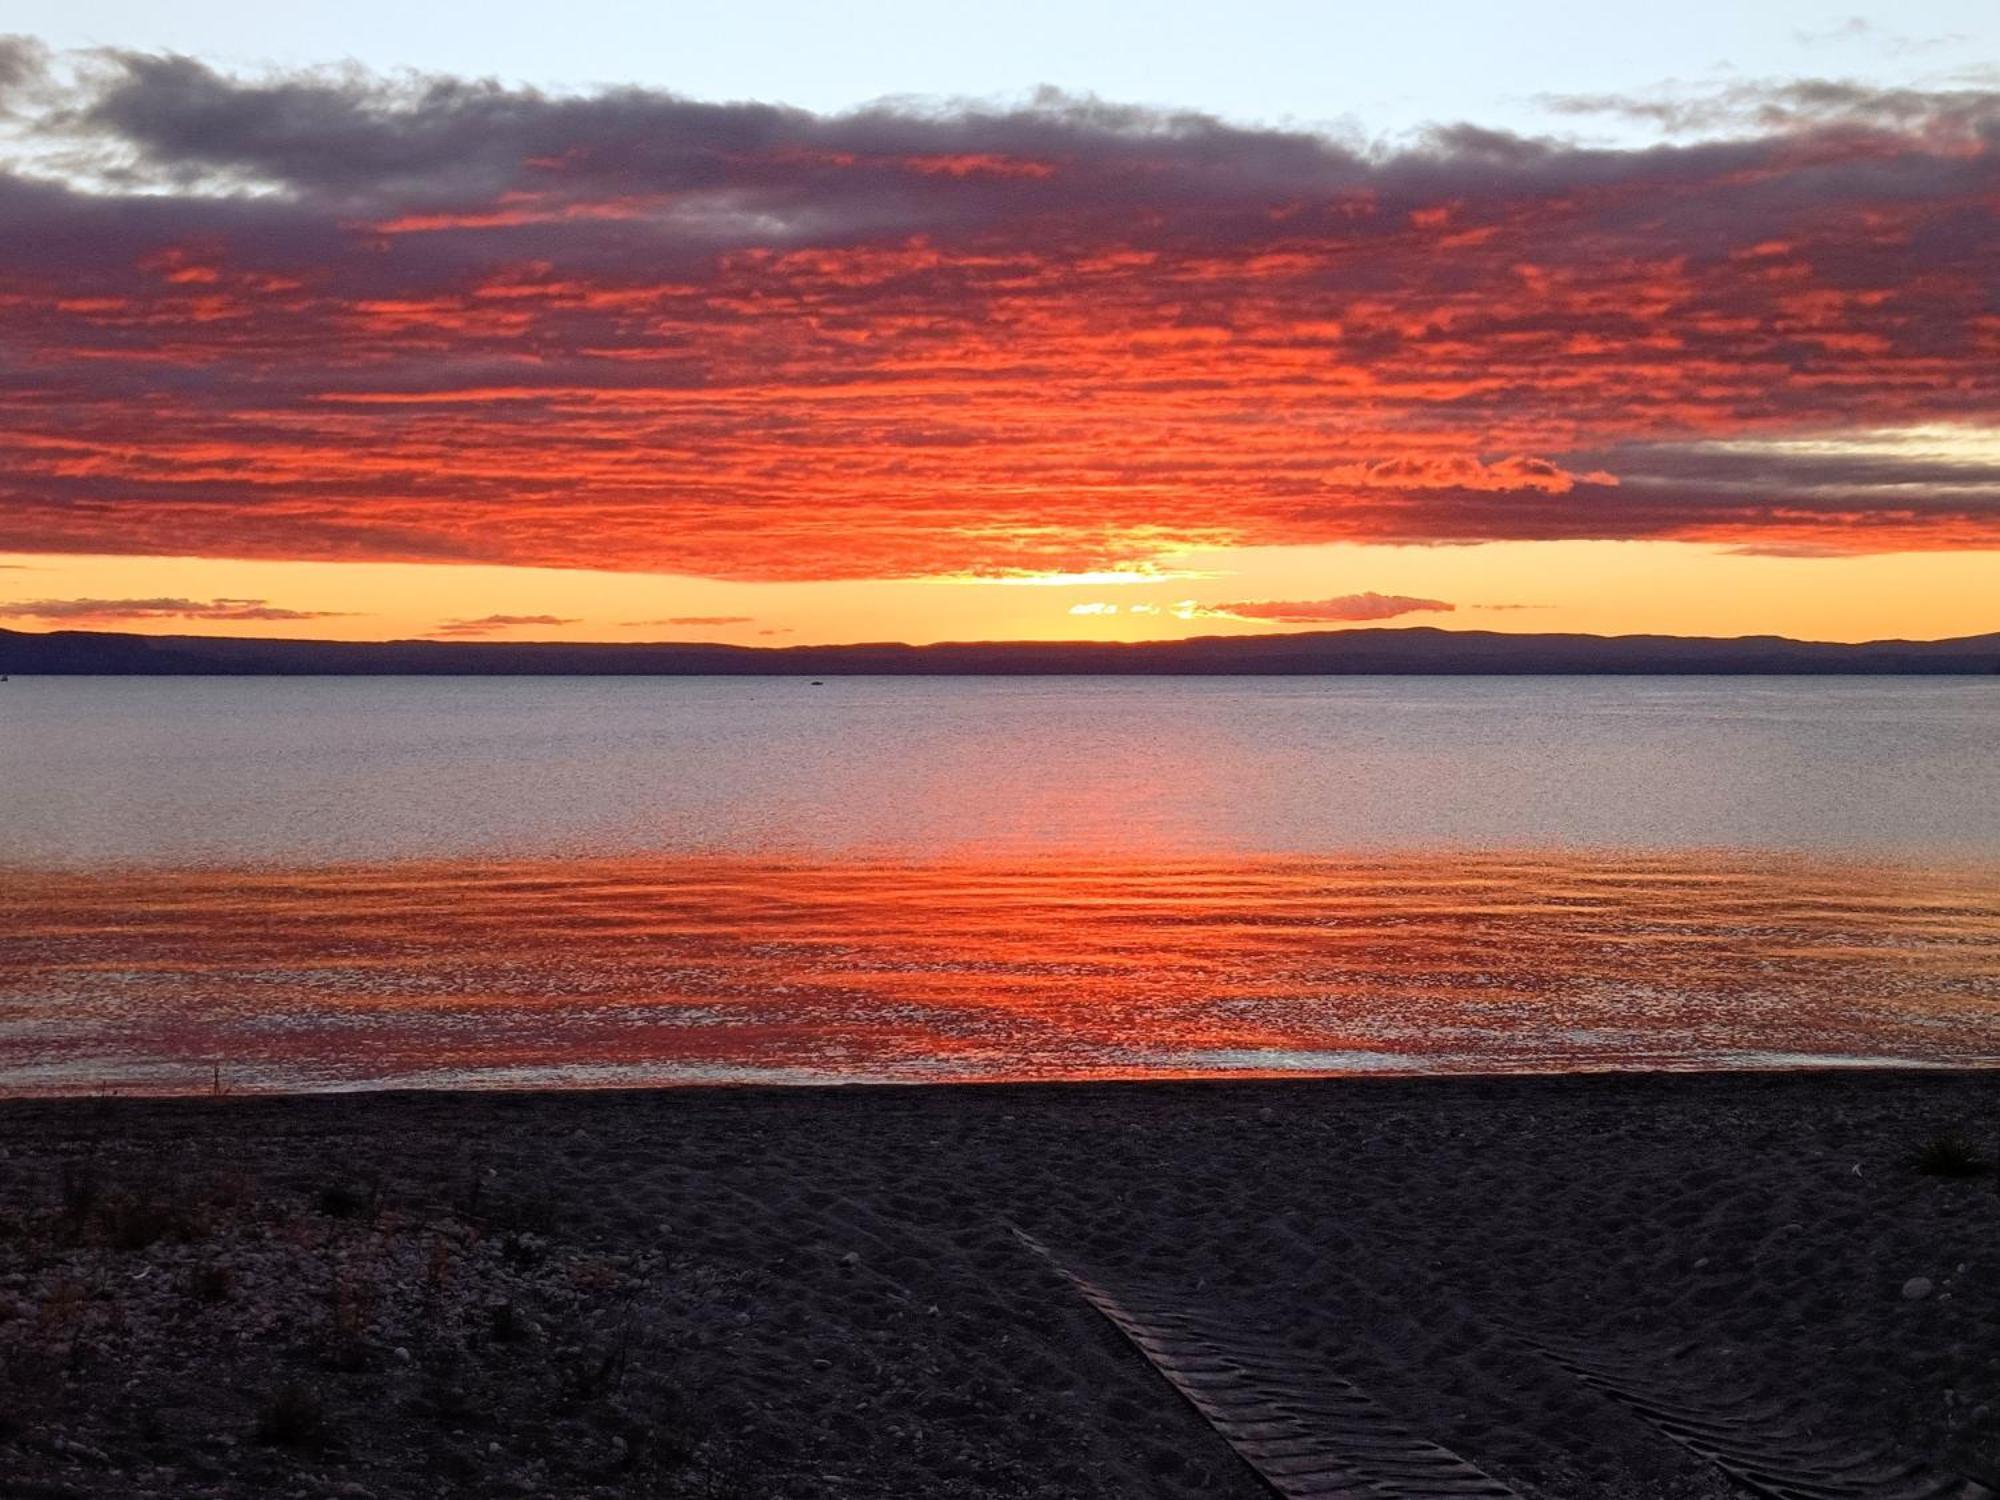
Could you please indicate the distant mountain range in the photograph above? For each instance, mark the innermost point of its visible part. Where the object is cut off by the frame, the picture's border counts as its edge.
(1413, 651)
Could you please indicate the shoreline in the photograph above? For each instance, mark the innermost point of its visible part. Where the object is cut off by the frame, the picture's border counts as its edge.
(819, 1291)
(1610, 1074)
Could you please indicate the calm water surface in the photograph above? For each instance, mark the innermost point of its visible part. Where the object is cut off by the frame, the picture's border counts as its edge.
(352, 882)
(234, 771)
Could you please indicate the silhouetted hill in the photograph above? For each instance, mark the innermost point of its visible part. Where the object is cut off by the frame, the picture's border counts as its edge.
(1419, 650)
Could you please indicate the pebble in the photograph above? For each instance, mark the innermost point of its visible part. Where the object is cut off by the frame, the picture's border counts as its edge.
(1916, 1288)
(402, 1355)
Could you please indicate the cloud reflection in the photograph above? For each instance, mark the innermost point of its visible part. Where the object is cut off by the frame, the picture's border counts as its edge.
(692, 969)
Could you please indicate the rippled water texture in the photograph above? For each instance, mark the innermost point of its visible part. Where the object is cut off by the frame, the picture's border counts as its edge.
(697, 969)
(268, 884)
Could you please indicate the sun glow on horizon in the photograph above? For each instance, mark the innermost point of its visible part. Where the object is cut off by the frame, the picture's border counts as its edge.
(1606, 588)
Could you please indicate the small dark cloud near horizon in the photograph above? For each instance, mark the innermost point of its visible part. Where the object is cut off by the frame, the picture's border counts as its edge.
(487, 624)
(710, 620)
(1798, 551)
(1346, 608)
(160, 609)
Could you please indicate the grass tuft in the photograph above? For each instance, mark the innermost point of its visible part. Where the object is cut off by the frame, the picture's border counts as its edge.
(350, 1314)
(80, 1185)
(133, 1221)
(213, 1283)
(504, 1325)
(292, 1417)
(344, 1200)
(1949, 1154)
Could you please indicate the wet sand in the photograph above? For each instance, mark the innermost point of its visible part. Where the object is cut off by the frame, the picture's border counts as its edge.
(821, 1292)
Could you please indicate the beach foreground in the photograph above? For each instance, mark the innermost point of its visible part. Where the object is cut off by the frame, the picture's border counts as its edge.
(823, 1292)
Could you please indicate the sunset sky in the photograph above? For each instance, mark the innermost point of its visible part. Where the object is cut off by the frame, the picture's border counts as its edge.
(1689, 324)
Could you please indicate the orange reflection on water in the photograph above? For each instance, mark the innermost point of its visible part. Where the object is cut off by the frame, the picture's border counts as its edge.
(679, 970)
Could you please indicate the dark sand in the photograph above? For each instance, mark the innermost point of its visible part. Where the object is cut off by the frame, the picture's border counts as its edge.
(817, 1292)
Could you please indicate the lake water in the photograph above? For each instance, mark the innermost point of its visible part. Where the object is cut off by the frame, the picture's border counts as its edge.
(307, 883)
(303, 770)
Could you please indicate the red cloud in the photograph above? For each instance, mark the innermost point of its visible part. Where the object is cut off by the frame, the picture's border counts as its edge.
(487, 624)
(630, 331)
(1348, 607)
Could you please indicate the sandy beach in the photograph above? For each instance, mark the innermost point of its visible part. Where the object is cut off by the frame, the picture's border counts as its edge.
(828, 1292)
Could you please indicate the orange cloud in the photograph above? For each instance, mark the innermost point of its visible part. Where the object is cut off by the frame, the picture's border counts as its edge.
(1346, 608)
(487, 624)
(627, 331)
(695, 620)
